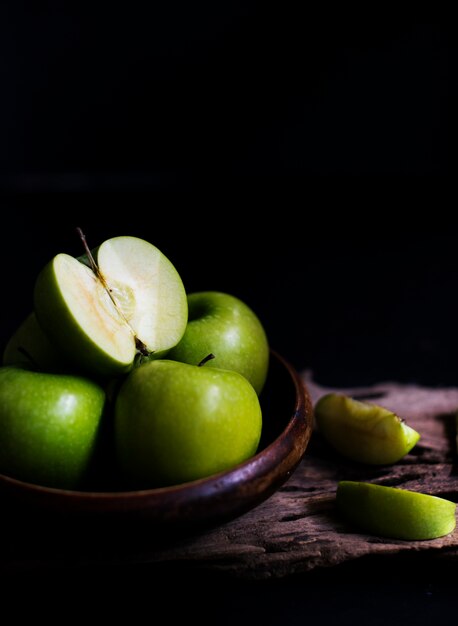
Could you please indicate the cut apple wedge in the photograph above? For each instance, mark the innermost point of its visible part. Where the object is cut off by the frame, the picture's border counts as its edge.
(131, 300)
(394, 512)
(362, 431)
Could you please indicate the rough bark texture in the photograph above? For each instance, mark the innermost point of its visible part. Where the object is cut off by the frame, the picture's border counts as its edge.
(297, 529)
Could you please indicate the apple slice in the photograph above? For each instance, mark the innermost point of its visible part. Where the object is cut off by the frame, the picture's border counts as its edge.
(362, 431)
(393, 512)
(131, 300)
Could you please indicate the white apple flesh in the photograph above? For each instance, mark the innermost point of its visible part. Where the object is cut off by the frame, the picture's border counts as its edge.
(136, 297)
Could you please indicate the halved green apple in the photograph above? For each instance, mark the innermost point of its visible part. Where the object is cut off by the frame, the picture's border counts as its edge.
(362, 431)
(393, 512)
(131, 300)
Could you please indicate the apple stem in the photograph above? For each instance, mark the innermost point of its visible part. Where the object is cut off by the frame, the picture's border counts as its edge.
(209, 357)
(95, 267)
(87, 250)
(141, 347)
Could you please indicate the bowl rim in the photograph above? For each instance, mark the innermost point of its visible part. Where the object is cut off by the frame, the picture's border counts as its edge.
(300, 423)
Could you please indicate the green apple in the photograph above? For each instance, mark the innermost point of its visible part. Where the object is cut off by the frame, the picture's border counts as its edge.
(176, 422)
(30, 346)
(362, 431)
(393, 512)
(48, 426)
(223, 325)
(131, 300)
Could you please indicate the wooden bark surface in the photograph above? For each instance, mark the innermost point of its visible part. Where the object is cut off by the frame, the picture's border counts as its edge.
(297, 529)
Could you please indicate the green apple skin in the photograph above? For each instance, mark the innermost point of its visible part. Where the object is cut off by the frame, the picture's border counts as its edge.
(30, 346)
(176, 422)
(395, 513)
(48, 426)
(223, 325)
(362, 431)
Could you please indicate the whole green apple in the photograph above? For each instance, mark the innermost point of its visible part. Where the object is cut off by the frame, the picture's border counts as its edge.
(176, 422)
(48, 426)
(130, 300)
(223, 325)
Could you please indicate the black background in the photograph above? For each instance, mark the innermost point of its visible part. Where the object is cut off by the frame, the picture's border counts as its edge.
(297, 159)
(371, 298)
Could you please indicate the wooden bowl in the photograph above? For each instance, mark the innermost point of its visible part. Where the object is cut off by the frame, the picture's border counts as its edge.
(287, 426)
